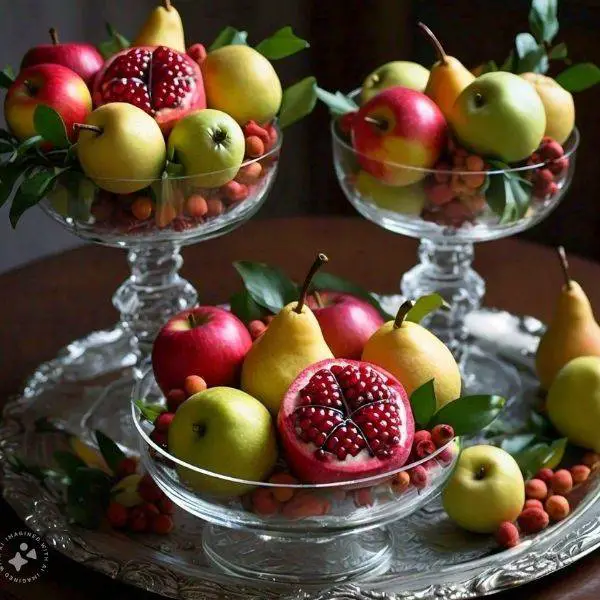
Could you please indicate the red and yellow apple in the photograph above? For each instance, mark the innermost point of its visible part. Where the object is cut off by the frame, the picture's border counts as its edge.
(53, 85)
(207, 341)
(398, 133)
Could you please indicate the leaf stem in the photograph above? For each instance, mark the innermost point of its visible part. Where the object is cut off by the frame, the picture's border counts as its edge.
(402, 312)
(442, 56)
(319, 262)
(54, 36)
(564, 265)
(87, 127)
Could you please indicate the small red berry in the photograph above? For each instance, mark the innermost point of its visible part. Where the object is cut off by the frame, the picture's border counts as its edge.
(442, 434)
(150, 509)
(256, 329)
(536, 489)
(533, 520)
(363, 497)
(253, 128)
(562, 482)
(255, 147)
(507, 535)
(424, 448)
(159, 437)
(421, 435)
(128, 466)
(137, 520)
(531, 503)
(418, 477)
(580, 473)
(550, 149)
(163, 421)
(117, 515)
(174, 399)
(545, 475)
(194, 384)
(557, 508)
(559, 166)
(148, 489)
(166, 506)
(162, 524)
(591, 460)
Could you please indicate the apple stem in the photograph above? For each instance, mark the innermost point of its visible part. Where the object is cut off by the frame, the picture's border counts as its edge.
(402, 312)
(30, 87)
(480, 473)
(318, 299)
(319, 262)
(442, 56)
(191, 320)
(167, 4)
(54, 36)
(86, 127)
(564, 265)
(381, 124)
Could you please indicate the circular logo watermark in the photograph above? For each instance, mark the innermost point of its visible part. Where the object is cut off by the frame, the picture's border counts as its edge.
(23, 557)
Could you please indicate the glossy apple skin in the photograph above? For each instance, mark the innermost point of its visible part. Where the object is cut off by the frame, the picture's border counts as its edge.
(347, 322)
(84, 59)
(414, 135)
(52, 85)
(214, 349)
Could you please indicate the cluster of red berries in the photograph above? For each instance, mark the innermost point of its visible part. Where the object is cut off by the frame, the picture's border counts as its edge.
(175, 398)
(134, 212)
(545, 180)
(153, 514)
(546, 500)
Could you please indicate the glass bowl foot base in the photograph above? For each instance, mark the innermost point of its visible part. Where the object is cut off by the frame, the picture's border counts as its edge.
(486, 373)
(305, 561)
(90, 380)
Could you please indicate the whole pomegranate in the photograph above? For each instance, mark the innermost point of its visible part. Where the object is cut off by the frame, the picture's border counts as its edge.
(163, 82)
(345, 419)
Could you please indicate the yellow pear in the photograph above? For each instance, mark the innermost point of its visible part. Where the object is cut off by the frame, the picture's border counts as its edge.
(573, 331)
(292, 342)
(448, 77)
(573, 402)
(414, 356)
(162, 28)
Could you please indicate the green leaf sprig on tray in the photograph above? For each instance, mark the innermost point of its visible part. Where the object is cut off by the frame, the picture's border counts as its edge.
(508, 194)
(267, 289)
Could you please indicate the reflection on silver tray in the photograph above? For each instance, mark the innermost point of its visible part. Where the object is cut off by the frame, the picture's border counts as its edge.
(432, 558)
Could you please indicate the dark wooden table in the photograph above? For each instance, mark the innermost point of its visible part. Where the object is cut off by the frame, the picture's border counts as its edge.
(47, 304)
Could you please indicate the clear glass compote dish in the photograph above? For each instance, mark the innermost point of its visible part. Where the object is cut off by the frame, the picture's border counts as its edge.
(324, 533)
(98, 371)
(449, 209)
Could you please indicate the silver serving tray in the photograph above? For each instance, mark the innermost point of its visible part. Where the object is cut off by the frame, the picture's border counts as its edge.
(432, 558)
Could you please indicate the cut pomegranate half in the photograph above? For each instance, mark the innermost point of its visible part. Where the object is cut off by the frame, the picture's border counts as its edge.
(344, 419)
(161, 81)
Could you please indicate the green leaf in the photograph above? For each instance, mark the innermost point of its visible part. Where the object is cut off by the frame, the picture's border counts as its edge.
(517, 443)
(338, 103)
(470, 414)
(424, 306)
(68, 462)
(543, 19)
(268, 286)
(532, 56)
(281, 44)
(9, 174)
(423, 403)
(328, 282)
(541, 425)
(114, 44)
(111, 453)
(88, 496)
(149, 411)
(245, 308)
(509, 63)
(558, 52)
(49, 124)
(7, 77)
(26, 145)
(230, 36)
(533, 458)
(508, 194)
(489, 67)
(579, 77)
(298, 101)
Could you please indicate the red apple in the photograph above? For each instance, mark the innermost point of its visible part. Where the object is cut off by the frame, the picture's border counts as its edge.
(52, 85)
(347, 322)
(205, 341)
(396, 129)
(84, 59)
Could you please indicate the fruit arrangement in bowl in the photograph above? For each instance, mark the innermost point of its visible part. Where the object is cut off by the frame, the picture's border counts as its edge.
(445, 152)
(146, 139)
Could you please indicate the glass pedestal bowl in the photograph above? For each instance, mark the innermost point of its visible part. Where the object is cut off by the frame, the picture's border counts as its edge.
(319, 534)
(449, 209)
(152, 224)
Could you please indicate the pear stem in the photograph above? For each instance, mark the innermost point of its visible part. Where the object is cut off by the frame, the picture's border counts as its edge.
(86, 127)
(54, 36)
(442, 56)
(319, 262)
(564, 264)
(167, 4)
(318, 299)
(402, 312)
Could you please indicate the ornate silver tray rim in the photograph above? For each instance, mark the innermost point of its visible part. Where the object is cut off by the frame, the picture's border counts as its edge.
(155, 570)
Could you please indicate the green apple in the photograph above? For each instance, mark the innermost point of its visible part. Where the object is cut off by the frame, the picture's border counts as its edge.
(407, 199)
(225, 431)
(210, 145)
(573, 402)
(121, 148)
(399, 72)
(485, 489)
(499, 115)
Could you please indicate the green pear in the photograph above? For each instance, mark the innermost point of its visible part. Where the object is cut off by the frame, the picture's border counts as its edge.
(573, 402)
(162, 28)
(572, 332)
(499, 115)
(226, 431)
(292, 342)
(399, 72)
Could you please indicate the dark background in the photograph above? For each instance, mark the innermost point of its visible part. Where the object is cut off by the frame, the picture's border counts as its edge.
(349, 38)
